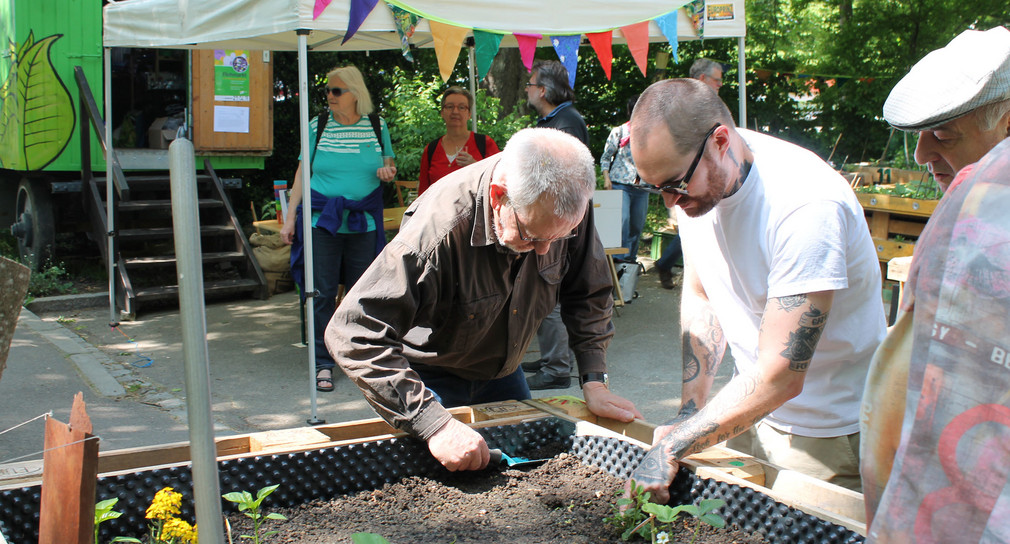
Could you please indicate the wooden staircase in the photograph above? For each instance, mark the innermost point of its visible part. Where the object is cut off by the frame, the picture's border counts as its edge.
(144, 243)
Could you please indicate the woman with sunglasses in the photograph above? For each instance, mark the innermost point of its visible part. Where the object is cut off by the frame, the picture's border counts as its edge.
(459, 146)
(351, 156)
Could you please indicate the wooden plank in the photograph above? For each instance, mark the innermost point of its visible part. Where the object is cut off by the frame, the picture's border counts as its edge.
(896, 204)
(259, 137)
(69, 479)
(889, 249)
(501, 410)
(279, 440)
(880, 224)
(904, 227)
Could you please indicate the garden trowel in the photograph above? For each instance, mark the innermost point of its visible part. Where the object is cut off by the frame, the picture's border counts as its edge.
(499, 457)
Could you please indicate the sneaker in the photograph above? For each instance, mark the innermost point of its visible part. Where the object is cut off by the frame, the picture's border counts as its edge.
(666, 279)
(542, 380)
(532, 366)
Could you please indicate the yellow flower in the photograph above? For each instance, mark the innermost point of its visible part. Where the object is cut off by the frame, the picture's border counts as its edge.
(166, 503)
(177, 528)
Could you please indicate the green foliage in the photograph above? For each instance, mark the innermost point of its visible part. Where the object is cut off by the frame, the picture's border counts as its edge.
(251, 508)
(368, 538)
(104, 512)
(636, 516)
(926, 190)
(50, 281)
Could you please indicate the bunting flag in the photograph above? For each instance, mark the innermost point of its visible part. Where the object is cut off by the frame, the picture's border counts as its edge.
(637, 36)
(602, 43)
(318, 8)
(695, 10)
(668, 26)
(567, 48)
(527, 48)
(448, 41)
(359, 11)
(405, 24)
(486, 46)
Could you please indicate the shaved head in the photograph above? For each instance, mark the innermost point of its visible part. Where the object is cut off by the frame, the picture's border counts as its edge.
(687, 107)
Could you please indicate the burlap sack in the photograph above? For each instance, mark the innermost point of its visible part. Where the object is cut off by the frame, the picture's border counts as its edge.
(271, 253)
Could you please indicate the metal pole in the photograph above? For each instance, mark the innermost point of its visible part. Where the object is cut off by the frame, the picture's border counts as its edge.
(471, 57)
(189, 269)
(109, 216)
(310, 287)
(742, 78)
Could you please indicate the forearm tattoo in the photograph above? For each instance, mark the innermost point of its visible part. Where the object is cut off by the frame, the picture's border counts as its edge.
(799, 350)
(704, 345)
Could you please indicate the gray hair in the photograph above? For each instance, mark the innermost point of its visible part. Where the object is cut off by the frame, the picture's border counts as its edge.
(703, 67)
(456, 89)
(356, 83)
(553, 77)
(988, 115)
(688, 108)
(545, 163)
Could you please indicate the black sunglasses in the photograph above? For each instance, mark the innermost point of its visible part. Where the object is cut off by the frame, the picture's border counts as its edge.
(337, 91)
(679, 186)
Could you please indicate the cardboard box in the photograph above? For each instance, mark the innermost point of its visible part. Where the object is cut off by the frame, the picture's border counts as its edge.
(159, 137)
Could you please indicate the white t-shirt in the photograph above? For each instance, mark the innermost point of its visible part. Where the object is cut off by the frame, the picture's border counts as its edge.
(794, 227)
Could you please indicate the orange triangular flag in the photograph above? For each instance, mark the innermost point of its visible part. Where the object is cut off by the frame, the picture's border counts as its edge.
(448, 41)
(637, 36)
(602, 43)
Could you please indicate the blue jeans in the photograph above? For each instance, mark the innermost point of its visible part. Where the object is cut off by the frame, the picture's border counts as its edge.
(450, 390)
(635, 208)
(671, 254)
(340, 259)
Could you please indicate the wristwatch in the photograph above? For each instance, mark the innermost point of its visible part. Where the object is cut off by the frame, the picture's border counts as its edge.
(593, 377)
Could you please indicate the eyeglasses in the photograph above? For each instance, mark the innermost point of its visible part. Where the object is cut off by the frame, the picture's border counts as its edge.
(337, 91)
(453, 107)
(679, 186)
(534, 85)
(524, 238)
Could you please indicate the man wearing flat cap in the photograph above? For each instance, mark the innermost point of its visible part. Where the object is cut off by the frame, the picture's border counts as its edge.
(958, 99)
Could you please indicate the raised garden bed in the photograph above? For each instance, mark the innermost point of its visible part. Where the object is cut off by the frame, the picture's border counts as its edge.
(341, 468)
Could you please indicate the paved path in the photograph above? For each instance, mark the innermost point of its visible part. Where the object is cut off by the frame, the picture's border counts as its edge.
(133, 380)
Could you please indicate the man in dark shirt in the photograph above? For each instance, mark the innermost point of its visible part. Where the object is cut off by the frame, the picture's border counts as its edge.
(444, 314)
(550, 94)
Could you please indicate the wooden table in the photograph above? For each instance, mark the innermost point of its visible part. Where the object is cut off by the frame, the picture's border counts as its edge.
(391, 218)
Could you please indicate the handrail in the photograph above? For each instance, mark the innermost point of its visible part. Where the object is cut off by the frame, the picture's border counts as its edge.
(89, 112)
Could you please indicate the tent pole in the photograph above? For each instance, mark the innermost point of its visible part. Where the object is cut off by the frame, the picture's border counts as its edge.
(471, 57)
(310, 287)
(742, 78)
(109, 216)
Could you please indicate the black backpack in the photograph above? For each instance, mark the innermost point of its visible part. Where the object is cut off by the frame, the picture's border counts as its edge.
(479, 139)
(321, 126)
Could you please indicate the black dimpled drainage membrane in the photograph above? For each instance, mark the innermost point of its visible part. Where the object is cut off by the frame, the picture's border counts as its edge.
(330, 472)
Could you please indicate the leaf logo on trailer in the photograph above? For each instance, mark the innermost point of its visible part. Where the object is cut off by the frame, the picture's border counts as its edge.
(36, 110)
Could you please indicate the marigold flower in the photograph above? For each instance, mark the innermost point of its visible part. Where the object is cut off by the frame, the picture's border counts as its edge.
(166, 503)
(178, 528)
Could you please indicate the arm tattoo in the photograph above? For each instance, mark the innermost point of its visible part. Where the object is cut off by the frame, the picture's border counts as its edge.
(691, 366)
(687, 410)
(799, 349)
(792, 302)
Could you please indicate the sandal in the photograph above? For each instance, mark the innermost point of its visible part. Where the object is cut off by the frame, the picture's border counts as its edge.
(324, 379)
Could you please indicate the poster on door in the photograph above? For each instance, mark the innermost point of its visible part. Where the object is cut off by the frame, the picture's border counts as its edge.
(231, 75)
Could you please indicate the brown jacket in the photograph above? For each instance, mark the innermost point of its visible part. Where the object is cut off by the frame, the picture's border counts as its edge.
(444, 294)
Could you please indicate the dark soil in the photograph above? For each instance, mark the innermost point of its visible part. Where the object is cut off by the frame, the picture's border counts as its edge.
(559, 501)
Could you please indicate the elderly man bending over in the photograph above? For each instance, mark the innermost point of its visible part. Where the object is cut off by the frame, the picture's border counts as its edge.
(445, 313)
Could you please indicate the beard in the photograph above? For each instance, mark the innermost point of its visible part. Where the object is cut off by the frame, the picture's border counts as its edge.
(715, 187)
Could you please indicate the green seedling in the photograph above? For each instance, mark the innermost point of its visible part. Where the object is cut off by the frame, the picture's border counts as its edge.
(251, 508)
(104, 512)
(368, 538)
(636, 516)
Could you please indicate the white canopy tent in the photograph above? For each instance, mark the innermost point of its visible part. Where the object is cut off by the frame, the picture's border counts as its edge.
(288, 25)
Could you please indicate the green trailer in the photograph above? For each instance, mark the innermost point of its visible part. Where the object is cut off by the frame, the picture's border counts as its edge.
(42, 120)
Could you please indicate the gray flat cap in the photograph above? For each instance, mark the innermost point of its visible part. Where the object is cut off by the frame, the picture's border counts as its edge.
(971, 71)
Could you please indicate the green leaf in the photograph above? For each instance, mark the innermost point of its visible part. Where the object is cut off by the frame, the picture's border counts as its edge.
(368, 538)
(234, 496)
(126, 539)
(276, 516)
(266, 491)
(106, 505)
(37, 118)
(709, 505)
(714, 520)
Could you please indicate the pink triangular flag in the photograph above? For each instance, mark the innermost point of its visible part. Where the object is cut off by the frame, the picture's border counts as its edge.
(528, 48)
(448, 41)
(318, 8)
(602, 43)
(637, 36)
